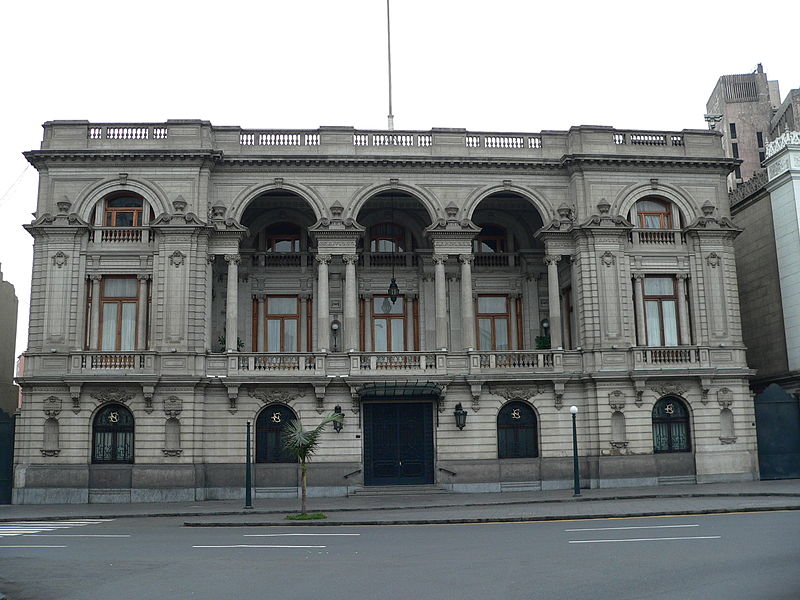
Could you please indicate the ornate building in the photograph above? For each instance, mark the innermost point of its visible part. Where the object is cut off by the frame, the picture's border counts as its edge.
(451, 293)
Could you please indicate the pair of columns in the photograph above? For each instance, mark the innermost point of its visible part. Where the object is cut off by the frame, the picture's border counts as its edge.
(467, 305)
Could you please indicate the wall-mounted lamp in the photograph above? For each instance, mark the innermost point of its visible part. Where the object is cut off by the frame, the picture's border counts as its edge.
(335, 325)
(545, 326)
(337, 425)
(460, 415)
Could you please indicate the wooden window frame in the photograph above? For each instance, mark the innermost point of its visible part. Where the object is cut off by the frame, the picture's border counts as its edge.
(399, 239)
(493, 316)
(660, 298)
(282, 317)
(665, 216)
(119, 301)
(271, 240)
(500, 239)
(375, 316)
(110, 213)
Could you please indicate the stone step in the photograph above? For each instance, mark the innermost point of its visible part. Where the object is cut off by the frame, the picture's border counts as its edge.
(677, 480)
(399, 490)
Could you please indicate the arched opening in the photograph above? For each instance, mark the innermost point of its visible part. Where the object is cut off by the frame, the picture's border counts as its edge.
(278, 223)
(112, 435)
(656, 220)
(517, 435)
(269, 430)
(395, 222)
(122, 209)
(671, 426)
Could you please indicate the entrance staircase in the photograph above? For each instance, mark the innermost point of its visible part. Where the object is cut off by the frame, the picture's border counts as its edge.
(399, 490)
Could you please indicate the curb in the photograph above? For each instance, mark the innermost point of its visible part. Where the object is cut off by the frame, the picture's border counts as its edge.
(628, 515)
(222, 513)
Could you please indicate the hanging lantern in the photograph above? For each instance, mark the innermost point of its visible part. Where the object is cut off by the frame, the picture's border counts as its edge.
(394, 291)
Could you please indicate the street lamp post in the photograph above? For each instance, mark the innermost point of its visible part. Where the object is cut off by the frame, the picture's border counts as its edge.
(576, 471)
(248, 482)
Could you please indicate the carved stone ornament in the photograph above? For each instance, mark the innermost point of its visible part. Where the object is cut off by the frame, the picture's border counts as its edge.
(217, 212)
(668, 388)
(179, 204)
(59, 259)
(50, 452)
(52, 406)
(727, 440)
(516, 392)
(63, 206)
(725, 397)
(173, 406)
(172, 452)
(713, 260)
(619, 445)
(177, 258)
(616, 400)
(608, 259)
(558, 390)
(275, 396)
(475, 391)
(113, 394)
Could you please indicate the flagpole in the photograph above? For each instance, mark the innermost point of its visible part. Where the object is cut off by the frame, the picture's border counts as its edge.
(389, 43)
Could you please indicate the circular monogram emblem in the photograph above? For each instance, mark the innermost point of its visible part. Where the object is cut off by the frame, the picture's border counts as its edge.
(669, 409)
(276, 417)
(113, 417)
(515, 414)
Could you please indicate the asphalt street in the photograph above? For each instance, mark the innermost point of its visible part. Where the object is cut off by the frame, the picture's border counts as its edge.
(731, 556)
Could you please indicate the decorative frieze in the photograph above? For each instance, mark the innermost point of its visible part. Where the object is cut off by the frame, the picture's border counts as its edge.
(113, 394)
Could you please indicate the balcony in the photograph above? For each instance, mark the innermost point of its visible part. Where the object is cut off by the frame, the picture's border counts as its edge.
(120, 236)
(388, 259)
(657, 238)
(670, 357)
(280, 260)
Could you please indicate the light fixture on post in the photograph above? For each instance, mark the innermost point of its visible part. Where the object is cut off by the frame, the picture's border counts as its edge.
(337, 425)
(575, 469)
(335, 332)
(394, 290)
(460, 415)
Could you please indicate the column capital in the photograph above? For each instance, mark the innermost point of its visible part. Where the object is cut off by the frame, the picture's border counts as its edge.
(349, 259)
(465, 259)
(260, 297)
(439, 259)
(682, 276)
(323, 259)
(304, 296)
(552, 259)
(95, 277)
(638, 275)
(210, 258)
(233, 258)
(143, 277)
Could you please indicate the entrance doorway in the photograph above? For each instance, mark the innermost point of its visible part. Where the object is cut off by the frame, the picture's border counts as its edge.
(398, 443)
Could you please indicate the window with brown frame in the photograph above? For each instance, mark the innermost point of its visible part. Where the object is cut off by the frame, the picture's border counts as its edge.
(491, 240)
(123, 211)
(282, 324)
(388, 324)
(119, 310)
(386, 237)
(654, 214)
(493, 323)
(661, 314)
(282, 237)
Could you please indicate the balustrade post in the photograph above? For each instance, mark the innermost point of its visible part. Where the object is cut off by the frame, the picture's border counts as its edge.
(232, 305)
(323, 301)
(638, 292)
(553, 300)
(440, 289)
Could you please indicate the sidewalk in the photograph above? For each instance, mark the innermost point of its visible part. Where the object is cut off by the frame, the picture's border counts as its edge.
(448, 507)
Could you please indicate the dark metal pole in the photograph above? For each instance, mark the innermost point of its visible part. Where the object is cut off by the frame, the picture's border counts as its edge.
(576, 470)
(248, 480)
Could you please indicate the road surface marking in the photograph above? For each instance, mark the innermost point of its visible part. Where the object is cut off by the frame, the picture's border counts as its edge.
(12, 528)
(257, 546)
(632, 527)
(20, 546)
(89, 535)
(698, 537)
(296, 534)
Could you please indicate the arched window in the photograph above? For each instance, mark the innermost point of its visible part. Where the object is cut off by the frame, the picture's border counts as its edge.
(386, 237)
(282, 237)
(491, 240)
(653, 213)
(172, 435)
(112, 435)
(51, 445)
(269, 427)
(123, 211)
(671, 426)
(516, 431)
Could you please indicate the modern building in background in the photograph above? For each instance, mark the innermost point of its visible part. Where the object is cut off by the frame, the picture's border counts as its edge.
(9, 392)
(451, 293)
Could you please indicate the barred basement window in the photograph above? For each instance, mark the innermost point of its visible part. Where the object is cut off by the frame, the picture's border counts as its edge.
(671, 426)
(112, 435)
(516, 431)
(269, 430)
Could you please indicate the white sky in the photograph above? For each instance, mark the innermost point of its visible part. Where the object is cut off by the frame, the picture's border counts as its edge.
(499, 65)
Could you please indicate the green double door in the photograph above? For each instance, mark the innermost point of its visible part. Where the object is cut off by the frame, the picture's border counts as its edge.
(398, 443)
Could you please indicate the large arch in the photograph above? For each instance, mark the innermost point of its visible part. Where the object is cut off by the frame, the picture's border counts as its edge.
(628, 197)
(267, 431)
(531, 421)
(541, 204)
(244, 198)
(150, 192)
(428, 201)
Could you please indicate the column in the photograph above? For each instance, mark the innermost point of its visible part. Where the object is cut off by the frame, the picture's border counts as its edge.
(638, 294)
(683, 310)
(368, 303)
(261, 323)
(232, 307)
(553, 300)
(304, 297)
(467, 302)
(323, 302)
(512, 315)
(141, 313)
(209, 295)
(94, 319)
(350, 303)
(409, 332)
(440, 291)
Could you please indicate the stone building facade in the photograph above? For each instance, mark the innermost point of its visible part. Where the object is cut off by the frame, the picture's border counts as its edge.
(189, 278)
